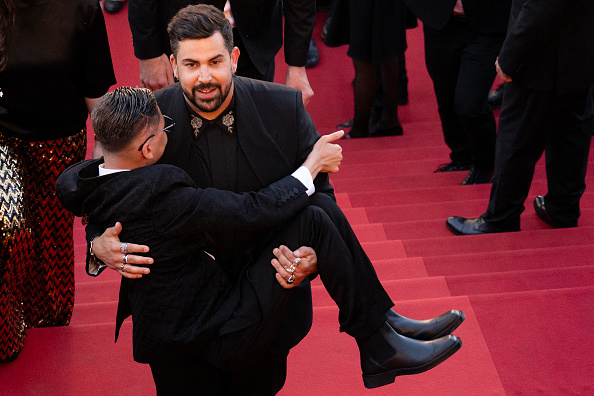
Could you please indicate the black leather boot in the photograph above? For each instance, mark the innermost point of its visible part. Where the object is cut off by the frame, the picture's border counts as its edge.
(387, 354)
(429, 329)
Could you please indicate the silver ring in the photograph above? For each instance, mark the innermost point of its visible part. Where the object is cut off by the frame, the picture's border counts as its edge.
(124, 247)
(296, 261)
(126, 258)
(122, 267)
(291, 278)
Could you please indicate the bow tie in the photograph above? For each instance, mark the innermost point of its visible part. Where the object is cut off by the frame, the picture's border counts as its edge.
(225, 121)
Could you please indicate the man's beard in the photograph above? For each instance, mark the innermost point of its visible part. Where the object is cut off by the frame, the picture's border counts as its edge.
(208, 105)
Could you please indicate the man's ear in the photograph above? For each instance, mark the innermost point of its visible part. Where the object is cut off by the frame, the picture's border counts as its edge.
(234, 58)
(173, 65)
(147, 150)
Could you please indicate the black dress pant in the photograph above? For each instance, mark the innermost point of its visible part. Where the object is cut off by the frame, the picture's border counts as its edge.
(530, 122)
(246, 342)
(461, 64)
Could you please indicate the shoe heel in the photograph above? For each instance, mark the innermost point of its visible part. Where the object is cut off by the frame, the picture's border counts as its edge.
(377, 380)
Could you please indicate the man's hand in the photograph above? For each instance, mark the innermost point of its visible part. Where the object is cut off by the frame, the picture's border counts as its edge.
(325, 156)
(285, 260)
(297, 78)
(108, 248)
(155, 73)
(504, 77)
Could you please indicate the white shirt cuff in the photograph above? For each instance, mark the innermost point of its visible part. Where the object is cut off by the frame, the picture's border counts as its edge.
(302, 174)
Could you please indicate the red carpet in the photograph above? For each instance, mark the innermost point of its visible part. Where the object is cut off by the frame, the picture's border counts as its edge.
(528, 296)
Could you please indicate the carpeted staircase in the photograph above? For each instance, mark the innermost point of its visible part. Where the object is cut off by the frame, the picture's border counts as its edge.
(528, 296)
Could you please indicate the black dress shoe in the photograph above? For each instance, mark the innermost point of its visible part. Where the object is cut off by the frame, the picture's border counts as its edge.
(541, 212)
(478, 176)
(426, 329)
(464, 226)
(113, 6)
(453, 166)
(495, 97)
(387, 354)
(313, 56)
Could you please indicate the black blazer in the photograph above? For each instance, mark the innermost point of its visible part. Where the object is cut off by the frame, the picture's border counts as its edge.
(276, 134)
(259, 23)
(183, 303)
(550, 45)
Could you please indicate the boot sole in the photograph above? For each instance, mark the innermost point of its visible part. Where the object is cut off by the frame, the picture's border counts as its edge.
(377, 380)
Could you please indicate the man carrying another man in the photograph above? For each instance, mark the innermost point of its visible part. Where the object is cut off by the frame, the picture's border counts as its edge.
(241, 135)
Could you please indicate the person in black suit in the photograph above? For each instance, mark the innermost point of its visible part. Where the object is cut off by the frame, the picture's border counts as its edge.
(188, 307)
(258, 33)
(462, 40)
(240, 134)
(547, 63)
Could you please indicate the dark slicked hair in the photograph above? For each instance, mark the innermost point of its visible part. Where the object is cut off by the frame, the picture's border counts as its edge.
(121, 115)
(197, 22)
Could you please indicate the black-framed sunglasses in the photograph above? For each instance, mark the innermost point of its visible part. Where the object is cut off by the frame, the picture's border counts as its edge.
(166, 129)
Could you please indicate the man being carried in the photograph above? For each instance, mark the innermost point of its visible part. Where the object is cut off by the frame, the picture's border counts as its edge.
(241, 135)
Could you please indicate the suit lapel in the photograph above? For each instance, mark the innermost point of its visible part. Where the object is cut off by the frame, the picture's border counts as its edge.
(257, 144)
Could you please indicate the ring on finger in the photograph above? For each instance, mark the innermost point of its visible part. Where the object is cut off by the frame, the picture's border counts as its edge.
(291, 279)
(122, 267)
(124, 247)
(126, 258)
(291, 269)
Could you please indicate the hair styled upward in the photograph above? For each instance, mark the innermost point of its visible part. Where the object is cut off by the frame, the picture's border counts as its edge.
(196, 22)
(121, 115)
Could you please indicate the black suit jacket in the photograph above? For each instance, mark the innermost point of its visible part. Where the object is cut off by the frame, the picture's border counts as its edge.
(259, 22)
(187, 297)
(484, 16)
(274, 130)
(550, 45)
(276, 134)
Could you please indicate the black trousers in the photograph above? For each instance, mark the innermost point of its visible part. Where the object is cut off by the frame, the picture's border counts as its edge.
(246, 340)
(531, 122)
(461, 64)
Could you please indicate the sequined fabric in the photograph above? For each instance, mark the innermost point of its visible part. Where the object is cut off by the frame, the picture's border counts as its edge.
(37, 258)
(13, 238)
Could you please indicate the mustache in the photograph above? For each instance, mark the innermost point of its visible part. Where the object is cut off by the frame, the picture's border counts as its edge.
(206, 86)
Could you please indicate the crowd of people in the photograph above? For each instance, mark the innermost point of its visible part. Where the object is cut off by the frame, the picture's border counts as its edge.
(235, 152)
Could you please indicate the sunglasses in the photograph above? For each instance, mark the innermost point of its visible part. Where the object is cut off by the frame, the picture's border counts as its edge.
(166, 129)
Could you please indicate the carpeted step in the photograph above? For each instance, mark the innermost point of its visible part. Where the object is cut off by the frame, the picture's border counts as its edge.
(399, 290)
(77, 360)
(396, 154)
(337, 371)
(484, 283)
(374, 182)
(519, 281)
(93, 313)
(437, 195)
(437, 228)
(427, 247)
(522, 259)
(540, 341)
